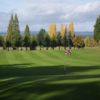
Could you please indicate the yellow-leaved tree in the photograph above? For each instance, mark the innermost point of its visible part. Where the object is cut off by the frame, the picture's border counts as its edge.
(71, 28)
(63, 30)
(52, 30)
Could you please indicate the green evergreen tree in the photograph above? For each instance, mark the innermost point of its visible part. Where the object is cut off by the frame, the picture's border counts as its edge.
(16, 25)
(16, 33)
(8, 37)
(59, 40)
(27, 37)
(9, 34)
(47, 41)
(13, 32)
(65, 41)
(97, 30)
(33, 43)
(40, 37)
(53, 43)
(20, 42)
(1, 41)
(8, 43)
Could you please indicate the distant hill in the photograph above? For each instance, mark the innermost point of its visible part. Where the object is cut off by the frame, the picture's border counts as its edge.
(32, 32)
(85, 33)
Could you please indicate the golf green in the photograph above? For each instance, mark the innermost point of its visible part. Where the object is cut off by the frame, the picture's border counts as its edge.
(50, 75)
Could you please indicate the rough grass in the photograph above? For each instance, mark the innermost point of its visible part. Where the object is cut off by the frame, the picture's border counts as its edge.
(50, 75)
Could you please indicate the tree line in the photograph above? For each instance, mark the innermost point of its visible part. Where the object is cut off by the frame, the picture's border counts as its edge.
(65, 38)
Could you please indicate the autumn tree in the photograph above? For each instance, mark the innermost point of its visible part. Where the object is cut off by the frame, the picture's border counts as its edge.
(90, 42)
(71, 29)
(52, 30)
(78, 42)
(63, 30)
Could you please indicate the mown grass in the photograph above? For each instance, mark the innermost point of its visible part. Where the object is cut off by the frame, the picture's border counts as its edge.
(50, 75)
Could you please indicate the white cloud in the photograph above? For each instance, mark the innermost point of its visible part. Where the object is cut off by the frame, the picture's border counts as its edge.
(42, 12)
(89, 7)
(84, 11)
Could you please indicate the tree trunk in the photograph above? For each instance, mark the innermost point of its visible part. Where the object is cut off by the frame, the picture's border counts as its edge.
(53, 48)
(26, 48)
(47, 48)
(8, 48)
(40, 47)
(59, 47)
(65, 48)
(21, 49)
(14, 48)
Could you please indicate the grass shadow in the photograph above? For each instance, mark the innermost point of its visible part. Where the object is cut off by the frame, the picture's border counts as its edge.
(19, 70)
(30, 85)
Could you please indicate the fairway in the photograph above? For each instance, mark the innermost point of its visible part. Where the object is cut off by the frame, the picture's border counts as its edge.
(50, 75)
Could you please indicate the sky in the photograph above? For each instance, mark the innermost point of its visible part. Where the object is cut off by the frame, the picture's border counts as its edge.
(40, 13)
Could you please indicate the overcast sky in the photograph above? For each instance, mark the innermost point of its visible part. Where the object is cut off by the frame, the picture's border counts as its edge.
(40, 13)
